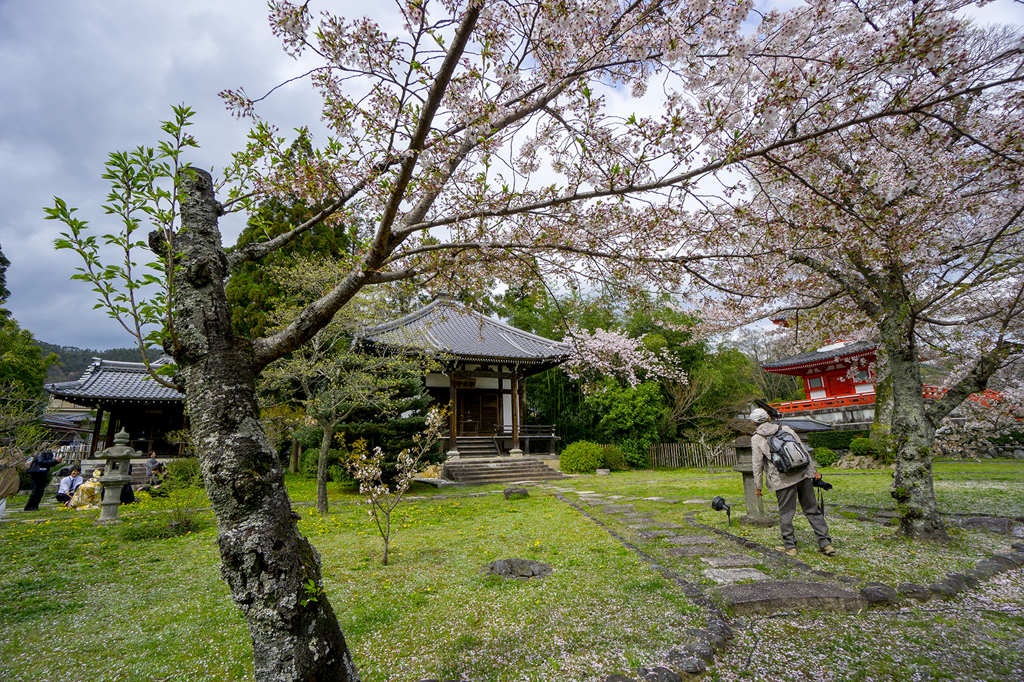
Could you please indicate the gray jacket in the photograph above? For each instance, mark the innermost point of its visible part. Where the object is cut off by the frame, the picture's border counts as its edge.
(762, 461)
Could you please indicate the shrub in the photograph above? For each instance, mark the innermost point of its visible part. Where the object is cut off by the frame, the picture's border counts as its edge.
(613, 458)
(185, 470)
(835, 440)
(863, 447)
(310, 459)
(635, 450)
(825, 457)
(582, 457)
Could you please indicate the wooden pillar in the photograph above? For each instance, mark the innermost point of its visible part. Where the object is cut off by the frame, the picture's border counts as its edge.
(95, 432)
(111, 425)
(453, 395)
(515, 411)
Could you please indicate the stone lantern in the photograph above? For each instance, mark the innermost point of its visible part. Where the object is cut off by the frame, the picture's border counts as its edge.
(745, 466)
(115, 475)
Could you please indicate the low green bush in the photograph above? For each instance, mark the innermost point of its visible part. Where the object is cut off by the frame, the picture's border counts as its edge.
(582, 457)
(613, 458)
(185, 471)
(863, 447)
(310, 459)
(825, 457)
(835, 440)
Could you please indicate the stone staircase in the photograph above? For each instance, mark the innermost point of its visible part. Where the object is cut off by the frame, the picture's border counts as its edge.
(505, 470)
(477, 446)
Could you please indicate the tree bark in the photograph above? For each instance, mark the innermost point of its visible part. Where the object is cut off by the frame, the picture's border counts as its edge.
(272, 570)
(913, 433)
(321, 468)
(293, 464)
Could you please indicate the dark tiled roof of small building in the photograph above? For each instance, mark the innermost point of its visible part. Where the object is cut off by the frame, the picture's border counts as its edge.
(109, 381)
(447, 328)
(822, 357)
(803, 425)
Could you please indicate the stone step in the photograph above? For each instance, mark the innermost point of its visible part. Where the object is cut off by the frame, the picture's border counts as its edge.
(500, 471)
(776, 596)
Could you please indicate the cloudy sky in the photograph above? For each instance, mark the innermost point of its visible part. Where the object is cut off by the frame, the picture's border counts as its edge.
(80, 79)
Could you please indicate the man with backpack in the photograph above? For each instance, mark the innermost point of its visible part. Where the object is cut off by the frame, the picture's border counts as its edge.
(791, 473)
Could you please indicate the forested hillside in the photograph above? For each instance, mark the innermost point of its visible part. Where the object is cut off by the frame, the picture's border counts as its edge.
(73, 361)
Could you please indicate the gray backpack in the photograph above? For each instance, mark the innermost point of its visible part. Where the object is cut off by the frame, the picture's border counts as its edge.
(787, 452)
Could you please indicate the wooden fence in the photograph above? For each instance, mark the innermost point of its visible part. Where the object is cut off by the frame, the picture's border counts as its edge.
(680, 455)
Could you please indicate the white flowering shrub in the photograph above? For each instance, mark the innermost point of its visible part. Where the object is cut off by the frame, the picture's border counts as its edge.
(367, 469)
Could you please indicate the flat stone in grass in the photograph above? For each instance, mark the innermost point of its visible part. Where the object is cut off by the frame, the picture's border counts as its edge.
(516, 493)
(639, 515)
(690, 540)
(655, 534)
(730, 561)
(654, 525)
(728, 576)
(692, 551)
(618, 508)
(696, 501)
(914, 591)
(772, 597)
(519, 569)
(1001, 526)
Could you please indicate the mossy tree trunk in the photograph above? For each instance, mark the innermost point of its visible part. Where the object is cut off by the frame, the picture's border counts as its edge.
(272, 570)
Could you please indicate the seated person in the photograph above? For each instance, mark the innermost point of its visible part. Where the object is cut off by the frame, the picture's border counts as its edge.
(89, 494)
(155, 485)
(68, 486)
(127, 492)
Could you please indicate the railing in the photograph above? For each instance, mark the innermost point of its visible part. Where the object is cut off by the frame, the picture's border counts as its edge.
(987, 398)
(528, 431)
(678, 455)
(822, 403)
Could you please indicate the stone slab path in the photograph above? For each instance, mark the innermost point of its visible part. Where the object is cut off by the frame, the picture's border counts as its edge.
(775, 596)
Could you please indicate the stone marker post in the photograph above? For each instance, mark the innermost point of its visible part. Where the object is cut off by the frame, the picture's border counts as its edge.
(755, 505)
(115, 475)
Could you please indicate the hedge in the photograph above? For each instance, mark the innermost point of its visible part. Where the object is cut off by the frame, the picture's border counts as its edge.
(835, 440)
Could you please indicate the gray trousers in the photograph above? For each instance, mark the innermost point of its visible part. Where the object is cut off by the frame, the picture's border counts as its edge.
(787, 510)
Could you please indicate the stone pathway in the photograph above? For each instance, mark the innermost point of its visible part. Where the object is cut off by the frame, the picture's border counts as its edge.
(742, 581)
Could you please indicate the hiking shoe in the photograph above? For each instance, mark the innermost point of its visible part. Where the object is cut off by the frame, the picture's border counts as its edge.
(827, 550)
(791, 551)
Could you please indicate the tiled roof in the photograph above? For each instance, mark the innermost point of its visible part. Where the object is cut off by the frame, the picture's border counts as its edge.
(446, 327)
(804, 425)
(108, 381)
(823, 356)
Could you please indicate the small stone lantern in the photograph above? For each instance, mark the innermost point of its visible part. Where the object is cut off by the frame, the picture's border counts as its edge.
(745, 466)
(115, 475)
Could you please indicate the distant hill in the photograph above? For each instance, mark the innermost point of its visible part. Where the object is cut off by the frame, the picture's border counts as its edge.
(74, 361)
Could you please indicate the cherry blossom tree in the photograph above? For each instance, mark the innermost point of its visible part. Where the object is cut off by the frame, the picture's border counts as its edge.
(491, 137)
(907, 230)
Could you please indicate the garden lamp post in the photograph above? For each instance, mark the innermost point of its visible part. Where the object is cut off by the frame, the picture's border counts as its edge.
(115, 475)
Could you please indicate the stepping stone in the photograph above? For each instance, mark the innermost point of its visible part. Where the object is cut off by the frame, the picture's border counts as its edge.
(618, 508)
(653, 499)
(728, 576)
(772, 597)
(693, 550)
(639, 515)
(588, 492)
(615, 497)
(690, 540)
(730, 561)
(652, 526)
(655, 534)
(1001, 526)
(696, 501)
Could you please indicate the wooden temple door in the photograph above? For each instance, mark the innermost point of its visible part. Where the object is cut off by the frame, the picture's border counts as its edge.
(478, 413)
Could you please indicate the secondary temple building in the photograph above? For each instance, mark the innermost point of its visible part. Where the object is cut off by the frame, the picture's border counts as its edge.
(130, 398)
(482, 364)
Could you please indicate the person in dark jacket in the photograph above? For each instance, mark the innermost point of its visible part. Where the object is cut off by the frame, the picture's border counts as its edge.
(39, 472)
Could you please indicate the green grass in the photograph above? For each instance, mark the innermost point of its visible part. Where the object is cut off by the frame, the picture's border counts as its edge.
(132, 603)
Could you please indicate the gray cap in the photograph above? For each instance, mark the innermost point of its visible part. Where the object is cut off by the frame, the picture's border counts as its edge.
(759, 416)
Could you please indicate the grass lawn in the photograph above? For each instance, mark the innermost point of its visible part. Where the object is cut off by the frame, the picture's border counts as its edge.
(81, 602)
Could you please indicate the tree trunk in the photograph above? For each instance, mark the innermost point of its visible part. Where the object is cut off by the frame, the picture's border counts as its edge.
(293, 464)
(269, 566)
(912, 435)
(321, 468)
